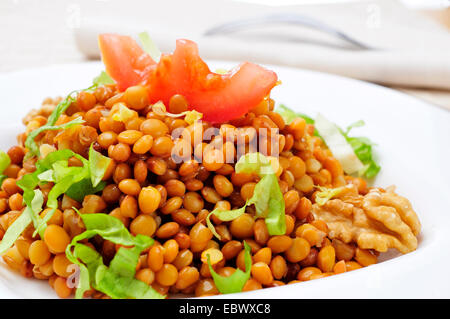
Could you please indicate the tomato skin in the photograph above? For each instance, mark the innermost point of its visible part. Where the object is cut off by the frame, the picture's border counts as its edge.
(220, 97)
(124, 59)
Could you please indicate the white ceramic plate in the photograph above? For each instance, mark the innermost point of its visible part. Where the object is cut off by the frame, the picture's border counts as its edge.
(413, 146)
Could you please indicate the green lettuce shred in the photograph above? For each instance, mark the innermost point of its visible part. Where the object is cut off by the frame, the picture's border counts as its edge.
(338, 145)
(224, 215)
(29, 182)
(76, 182)
(361, 146)
(98, 164)
(14, 231)
(235, 282)
(21, 223)
(289, 115)
(84, 187)
(30, 143)
(102, 79)
(267, 196)
(149, 46)
(221, 71)
(117, 280)
(5, 161)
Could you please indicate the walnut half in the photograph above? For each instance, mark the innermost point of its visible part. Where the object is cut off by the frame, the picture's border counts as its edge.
(379, 220)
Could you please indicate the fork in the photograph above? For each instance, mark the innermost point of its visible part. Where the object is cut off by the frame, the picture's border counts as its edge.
(284, 18)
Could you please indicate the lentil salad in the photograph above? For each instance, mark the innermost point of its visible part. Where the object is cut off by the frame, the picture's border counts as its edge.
(157, 203)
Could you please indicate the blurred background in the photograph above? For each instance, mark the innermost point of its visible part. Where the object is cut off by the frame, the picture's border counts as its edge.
(402, 44)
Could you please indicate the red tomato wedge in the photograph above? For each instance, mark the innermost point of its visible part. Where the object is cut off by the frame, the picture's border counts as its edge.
(220, 97)
(124, 59)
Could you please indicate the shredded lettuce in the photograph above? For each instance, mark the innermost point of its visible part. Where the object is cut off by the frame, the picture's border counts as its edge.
(98, 164)
(362, 146)
(76, 182)
(102, 79)
(63, 185)
(46, 176)
(289, 115)
(237, 280)
(28, 215)
(338, 145)
(14, 231)
(267, 196)
(149, 46)
(84, 187)
(5, 161)
(325, 194)
(88, 260)
(34, 207)
(221, 71)
(224, 215)
(117, 280)
(29, 182)
(30, 143)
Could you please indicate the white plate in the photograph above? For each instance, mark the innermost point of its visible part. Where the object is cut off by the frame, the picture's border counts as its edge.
(413, 139)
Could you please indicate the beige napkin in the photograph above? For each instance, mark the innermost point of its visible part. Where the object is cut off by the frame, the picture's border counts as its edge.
(411, 50)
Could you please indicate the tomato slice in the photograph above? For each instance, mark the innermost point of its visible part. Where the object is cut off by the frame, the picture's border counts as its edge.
(220, 97)
(124, 59)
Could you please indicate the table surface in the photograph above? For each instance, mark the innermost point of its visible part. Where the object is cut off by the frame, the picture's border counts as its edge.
(38, 23)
